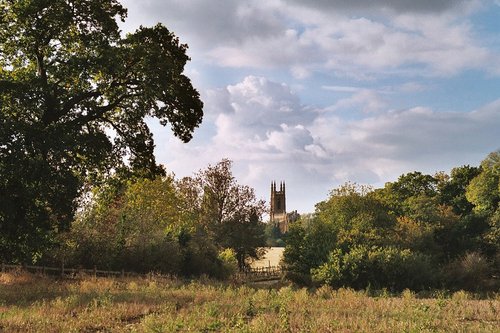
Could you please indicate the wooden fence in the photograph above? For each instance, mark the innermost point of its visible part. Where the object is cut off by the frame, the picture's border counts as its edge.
(250, 274)
(65, 272)
(261, 273)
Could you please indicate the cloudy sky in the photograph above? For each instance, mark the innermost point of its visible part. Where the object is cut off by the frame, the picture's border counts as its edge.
(318, 93)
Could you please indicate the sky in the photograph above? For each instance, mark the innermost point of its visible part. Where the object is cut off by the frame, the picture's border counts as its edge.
(318, 93)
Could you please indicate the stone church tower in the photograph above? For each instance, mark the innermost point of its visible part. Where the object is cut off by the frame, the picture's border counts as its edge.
(278, 213)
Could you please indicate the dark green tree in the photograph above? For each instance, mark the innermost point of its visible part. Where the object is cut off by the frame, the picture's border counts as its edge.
(396, 195)
(74, 96)
(356, 215)
(349, 217)
(484, 193)
(245, 235)
(274, 236)
(308, 244)
(452, 189)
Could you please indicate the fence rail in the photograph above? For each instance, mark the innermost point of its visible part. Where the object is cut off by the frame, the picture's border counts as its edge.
(250, 274)
(262, 273)
(63, 271)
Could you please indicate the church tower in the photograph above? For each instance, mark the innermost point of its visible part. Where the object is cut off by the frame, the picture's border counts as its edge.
(278, 213)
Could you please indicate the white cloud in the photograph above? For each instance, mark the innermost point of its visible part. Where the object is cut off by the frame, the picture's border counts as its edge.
(300, 72)
(404, 6)
(290, 139)
(263, 126)
(258, 106)
(427, 37)
(364, 100)
(209, 23)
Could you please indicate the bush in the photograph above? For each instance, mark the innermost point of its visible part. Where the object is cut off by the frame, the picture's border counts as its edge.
(470, 272)
(229, 262)
(162, 255)
(378, 267)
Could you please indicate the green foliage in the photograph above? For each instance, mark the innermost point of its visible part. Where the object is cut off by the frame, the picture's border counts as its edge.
(34, 205)
(166, 225)
(350, 217)
(452, 189)
(274, 236)
(418, 232)
(74, 96)
(396, 195)
(415, 235)
(414, 183)
(484, 190)
(492, 235)
(306, 248)
(484, 193)
(244, 235)
(230, 213)
(229, 261)
(356, 217)
(140, 228)
(377, 267)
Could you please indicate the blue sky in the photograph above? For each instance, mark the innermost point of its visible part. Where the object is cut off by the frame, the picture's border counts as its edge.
(317, 93)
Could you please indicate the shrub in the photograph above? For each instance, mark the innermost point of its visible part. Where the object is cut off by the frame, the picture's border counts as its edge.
(229, 261)
(470, 272)
(379, 267)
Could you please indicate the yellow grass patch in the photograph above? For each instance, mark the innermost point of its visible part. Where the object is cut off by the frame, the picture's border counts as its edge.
(272, 257)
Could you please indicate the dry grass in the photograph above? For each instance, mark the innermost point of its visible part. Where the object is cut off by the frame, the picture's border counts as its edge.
(31, 303)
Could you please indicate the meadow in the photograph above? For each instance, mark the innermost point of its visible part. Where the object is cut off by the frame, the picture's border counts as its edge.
(33, 303)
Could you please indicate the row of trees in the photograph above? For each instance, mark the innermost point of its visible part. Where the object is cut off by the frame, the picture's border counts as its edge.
(205, 224)
(78, 177)
(418, 232)
(74, 98)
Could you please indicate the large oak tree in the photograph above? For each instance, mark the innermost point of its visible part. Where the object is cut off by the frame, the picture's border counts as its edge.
(74, 97)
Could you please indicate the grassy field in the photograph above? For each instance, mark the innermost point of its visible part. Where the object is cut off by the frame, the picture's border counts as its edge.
(31, 303)
(271, 258)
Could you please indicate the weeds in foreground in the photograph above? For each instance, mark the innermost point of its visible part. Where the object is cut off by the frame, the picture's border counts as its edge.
(30, 303)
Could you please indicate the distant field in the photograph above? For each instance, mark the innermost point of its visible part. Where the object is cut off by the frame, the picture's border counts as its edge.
(31, 303)
(272, 258)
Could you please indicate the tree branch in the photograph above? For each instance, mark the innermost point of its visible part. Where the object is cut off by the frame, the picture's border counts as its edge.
(77, 99)
(100, 111)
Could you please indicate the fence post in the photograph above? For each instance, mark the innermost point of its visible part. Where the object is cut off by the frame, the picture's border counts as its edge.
(62, 269)
(95, 271)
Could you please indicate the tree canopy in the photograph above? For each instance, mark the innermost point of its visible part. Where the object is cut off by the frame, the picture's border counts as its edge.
(206, 224)
(74, 98)
(230, 213)
(418, 232)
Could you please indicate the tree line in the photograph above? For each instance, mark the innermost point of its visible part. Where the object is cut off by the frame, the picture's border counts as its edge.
(79, 182)
(421, 231)
(204, 224)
